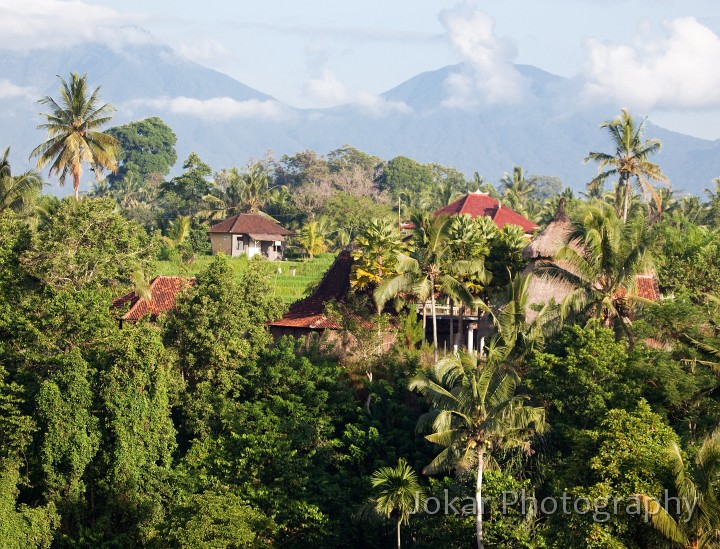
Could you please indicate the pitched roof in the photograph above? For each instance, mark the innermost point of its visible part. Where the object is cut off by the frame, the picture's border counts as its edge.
(553, 237)
(310, 311)
(477, 203)
(250, 223)
(163, 291)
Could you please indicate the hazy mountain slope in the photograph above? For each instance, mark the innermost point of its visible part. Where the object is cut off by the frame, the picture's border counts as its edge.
(548, 132)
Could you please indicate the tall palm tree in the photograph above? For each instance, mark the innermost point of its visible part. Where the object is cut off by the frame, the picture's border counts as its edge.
(696, 483)
(475, 414)
(601, 261)
(427, 268)
(17, 193)
(629, 161)
(397, 493)
(73, 131)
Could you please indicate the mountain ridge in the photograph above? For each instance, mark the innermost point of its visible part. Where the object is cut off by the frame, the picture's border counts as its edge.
(227, 122)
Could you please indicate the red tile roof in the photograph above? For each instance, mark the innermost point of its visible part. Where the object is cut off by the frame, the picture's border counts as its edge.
(310, 311)
(251, 223)
(163, 291)
(477, 204)
(646, 287)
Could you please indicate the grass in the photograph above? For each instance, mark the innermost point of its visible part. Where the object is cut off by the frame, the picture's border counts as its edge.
(288, 287)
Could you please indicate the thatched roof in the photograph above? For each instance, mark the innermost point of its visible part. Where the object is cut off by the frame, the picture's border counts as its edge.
(543, 289)
(553, 237)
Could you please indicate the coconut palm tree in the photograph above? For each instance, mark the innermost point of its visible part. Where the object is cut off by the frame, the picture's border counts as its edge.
(629, 161)
(475, 414)
(73, 130)
(397, 491)
(602, 260)
(427, 268)
(698, 525)
(17, 193)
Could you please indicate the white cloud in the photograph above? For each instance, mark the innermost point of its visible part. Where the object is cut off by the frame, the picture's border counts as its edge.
(202, 50)
(328, 90)
(31, 24)
(491, 76)
(8, 90)
(677, 70)
(216, 108)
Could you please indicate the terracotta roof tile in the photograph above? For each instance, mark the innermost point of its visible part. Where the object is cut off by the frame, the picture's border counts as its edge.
(476, 204)
(163, 292)
(250, 223)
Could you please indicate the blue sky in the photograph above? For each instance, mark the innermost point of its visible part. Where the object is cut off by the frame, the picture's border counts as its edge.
(658, 57)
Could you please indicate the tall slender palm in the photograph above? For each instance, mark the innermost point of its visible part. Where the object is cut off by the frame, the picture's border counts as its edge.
(602, 261)
(698, 525)
(629, 161)
(17, 193)
(426, 268)
(475, 414)
(397, 491)
(73, 130)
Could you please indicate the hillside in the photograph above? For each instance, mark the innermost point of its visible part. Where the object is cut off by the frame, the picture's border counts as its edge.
(227, 122)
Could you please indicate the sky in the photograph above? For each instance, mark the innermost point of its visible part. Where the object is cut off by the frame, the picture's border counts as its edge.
(657, 57)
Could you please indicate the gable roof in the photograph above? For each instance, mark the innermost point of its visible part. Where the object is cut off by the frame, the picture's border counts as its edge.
(477, 203)
(163, 292)
(310, 311)
(251, 223)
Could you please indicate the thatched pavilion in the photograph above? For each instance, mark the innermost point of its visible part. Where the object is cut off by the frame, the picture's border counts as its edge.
(541, 251)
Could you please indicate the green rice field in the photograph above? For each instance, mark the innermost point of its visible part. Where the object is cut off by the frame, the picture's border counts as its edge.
(288, 287)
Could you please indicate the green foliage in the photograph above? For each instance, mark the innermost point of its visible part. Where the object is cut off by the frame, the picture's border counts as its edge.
(139, 435)
(22, 526)
(145, 147)
(87, 244)
(71, 435)
(579, 376)
(218, 520)
(218, 329)
(183, 195)
(688, 260)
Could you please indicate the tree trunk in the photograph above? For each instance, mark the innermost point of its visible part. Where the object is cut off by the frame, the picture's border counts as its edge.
(452, 320)
(76, 184)
(460, 333)
(478, 498)
(424, 320)
(398, 532)
(434, 319)
(626, 205)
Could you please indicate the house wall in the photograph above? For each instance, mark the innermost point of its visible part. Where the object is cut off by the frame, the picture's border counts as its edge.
(221, 243)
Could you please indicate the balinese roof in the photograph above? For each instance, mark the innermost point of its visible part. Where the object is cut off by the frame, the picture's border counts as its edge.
(251, 223)
(163, 292)
(553, 237)
(482, 204)
(310, 311)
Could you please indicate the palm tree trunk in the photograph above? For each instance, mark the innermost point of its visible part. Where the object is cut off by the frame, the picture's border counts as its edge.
(452, 320)
(76, 184)
(626, 205)
(398, 532)
(461, 313)
(424, 320)
(434, 319)
(478, 498)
